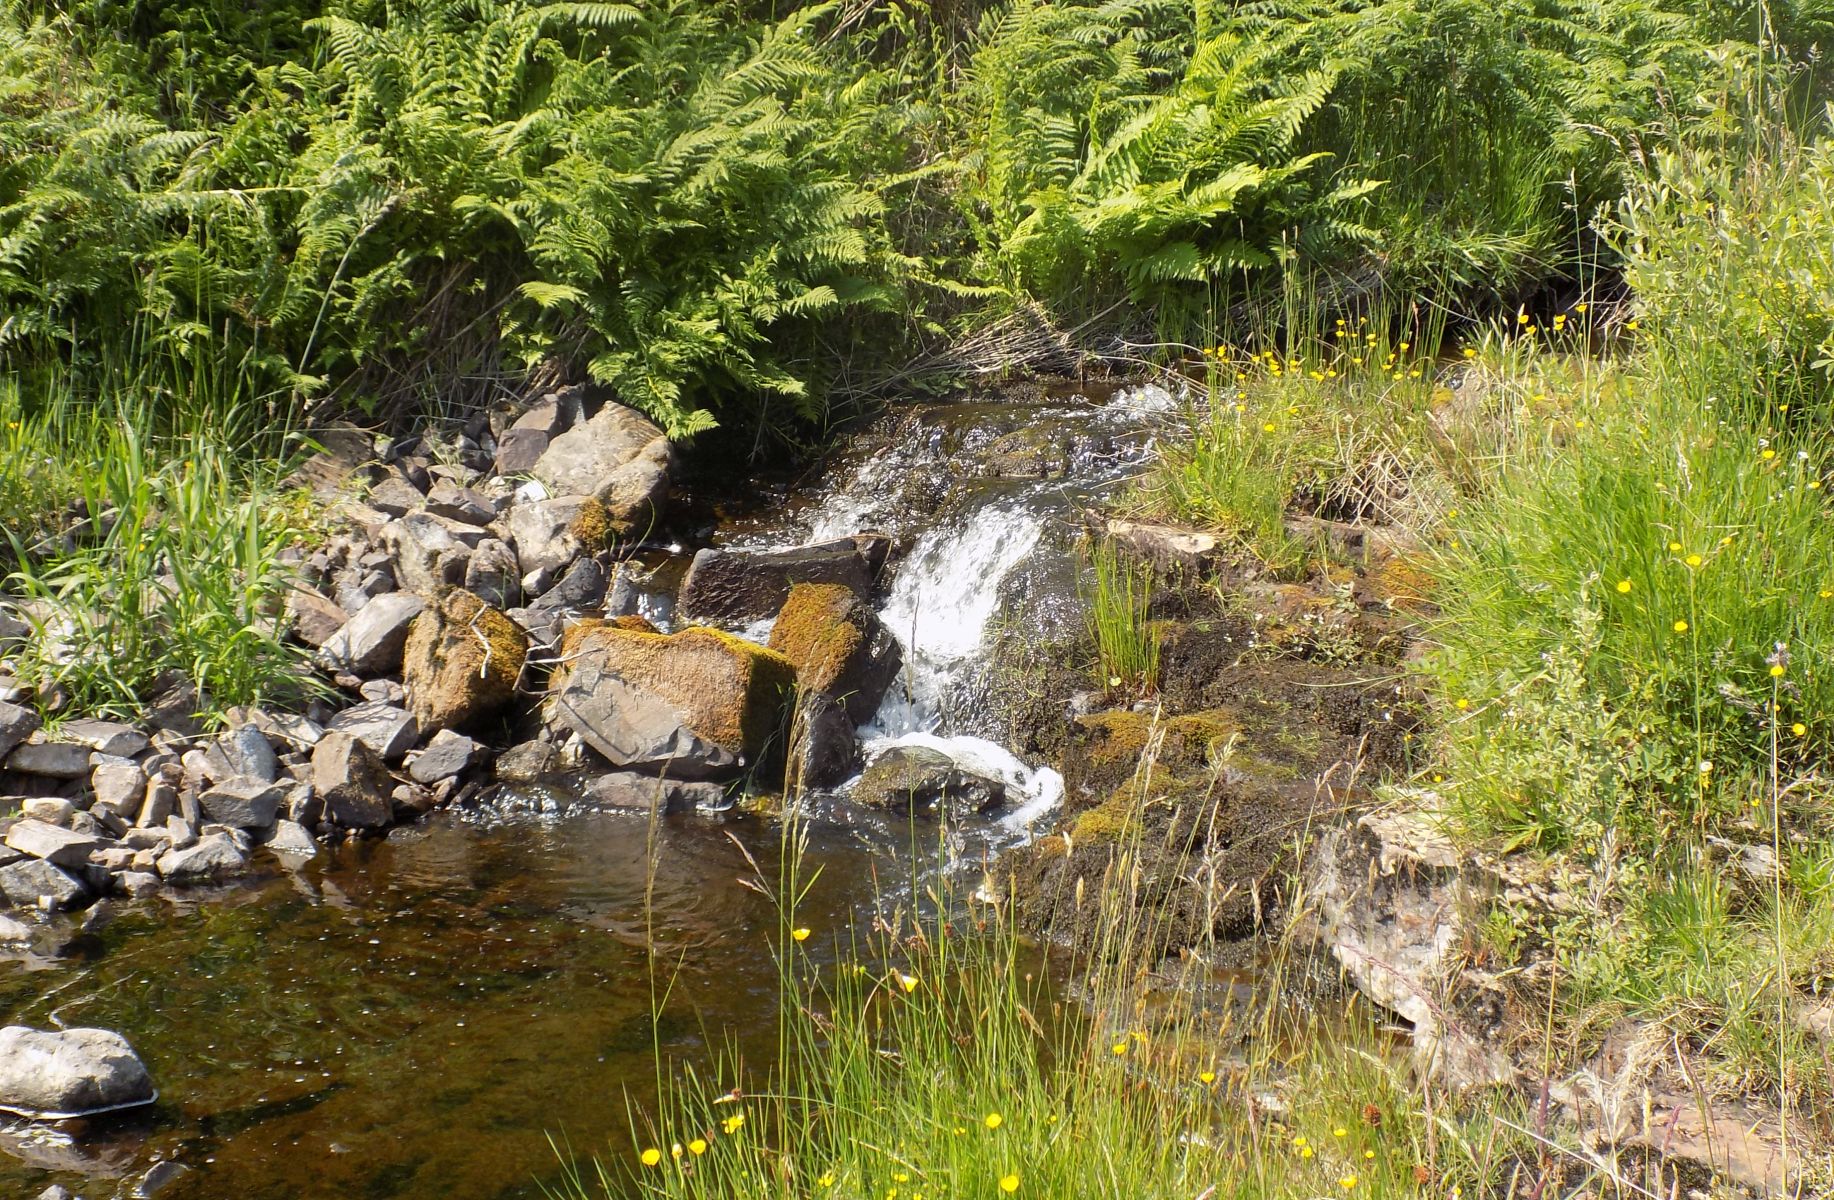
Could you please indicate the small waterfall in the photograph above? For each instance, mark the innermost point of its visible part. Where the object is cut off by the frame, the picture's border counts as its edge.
(981, 492)
(945, 596)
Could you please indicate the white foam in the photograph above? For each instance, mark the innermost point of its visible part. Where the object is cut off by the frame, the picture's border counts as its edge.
(1036, 790)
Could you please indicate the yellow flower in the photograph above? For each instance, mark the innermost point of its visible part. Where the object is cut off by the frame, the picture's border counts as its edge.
(1776, 670)
(1369, 1154)
(827, 1179)
(1623, 586)
(731, 1124)
(1674, 547)
(697, 1147)
(1340, 1131)
(1798, 729)
(651, 1157)
(801, 935)
(1119, 1047)
(1680, 626)
(1767, 454)
(1206, 1077)
(1692, 560)
(1633, 326)
(1305, 1152)
(1347, 1182)
(1461, 704)
(1521, 318)
(1581, 309)
(1268, 427)
(907, 982)
(1009, 1183)
(994, 1120)
(1470, 353)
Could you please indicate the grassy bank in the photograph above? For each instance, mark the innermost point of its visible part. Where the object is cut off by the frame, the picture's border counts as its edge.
(1616, 508)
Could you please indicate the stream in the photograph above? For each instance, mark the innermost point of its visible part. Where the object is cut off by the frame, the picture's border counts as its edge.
(415, 1017)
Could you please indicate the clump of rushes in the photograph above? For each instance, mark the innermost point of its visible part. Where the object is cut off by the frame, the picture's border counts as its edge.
(1127, 640)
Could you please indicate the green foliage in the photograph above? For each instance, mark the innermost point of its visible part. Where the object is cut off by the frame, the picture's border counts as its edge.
(656, 195)
(1109, 157)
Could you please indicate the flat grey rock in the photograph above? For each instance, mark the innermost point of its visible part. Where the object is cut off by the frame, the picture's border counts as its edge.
(212, 856)
(384, 728)
(445, 757)
(55, 760)
(34, 881)
(370, 643)
(242, 803)
(105, 737)
(53, 843)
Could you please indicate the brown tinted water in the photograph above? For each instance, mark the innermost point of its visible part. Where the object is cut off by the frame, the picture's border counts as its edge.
(414, 1018)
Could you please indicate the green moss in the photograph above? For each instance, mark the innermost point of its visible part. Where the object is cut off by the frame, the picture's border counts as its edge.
(593, 527)
(817, 631)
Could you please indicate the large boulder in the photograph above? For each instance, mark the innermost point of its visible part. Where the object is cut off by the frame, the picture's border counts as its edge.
(619, 457)
(69, 1072)
(923, 780)
(840, 647)
(462, 661)
(749, 585)
(699, 703)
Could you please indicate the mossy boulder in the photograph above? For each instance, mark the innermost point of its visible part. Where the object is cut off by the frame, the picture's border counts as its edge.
(840, 647)
(462, 661)
(700, 700)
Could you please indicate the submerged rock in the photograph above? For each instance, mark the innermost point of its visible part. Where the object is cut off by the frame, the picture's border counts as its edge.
(922, 780)
(461, 662)
(69, 1072)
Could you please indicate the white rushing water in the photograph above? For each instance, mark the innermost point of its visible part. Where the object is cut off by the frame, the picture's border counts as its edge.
(942, 603)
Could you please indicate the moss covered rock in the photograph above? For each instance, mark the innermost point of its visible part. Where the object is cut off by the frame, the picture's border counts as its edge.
(840, 647)
(702, 699)
(461, 662)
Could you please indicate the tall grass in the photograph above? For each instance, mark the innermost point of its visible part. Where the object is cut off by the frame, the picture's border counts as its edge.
(1127, 642)
(144, 533)
(943, 1055)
